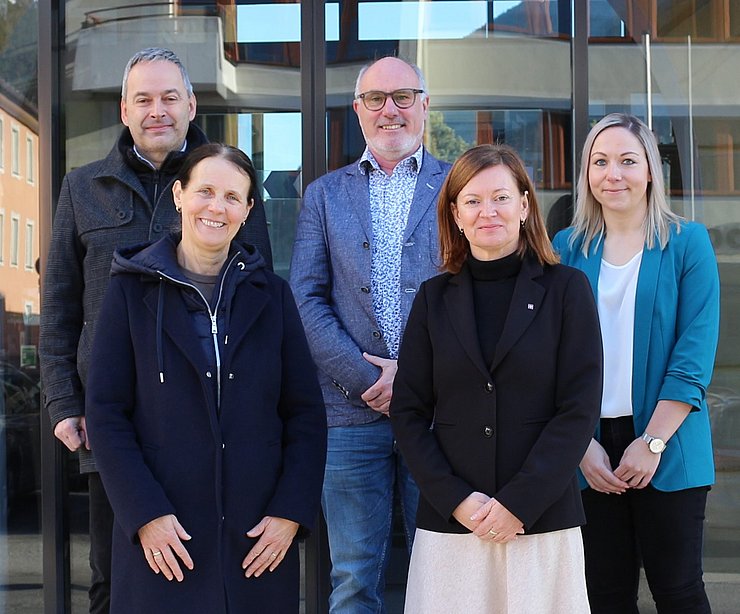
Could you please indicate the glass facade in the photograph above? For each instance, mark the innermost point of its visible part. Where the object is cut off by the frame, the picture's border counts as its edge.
(20, 391)
(269, 81)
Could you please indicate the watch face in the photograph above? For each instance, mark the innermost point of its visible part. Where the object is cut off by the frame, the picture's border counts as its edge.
(656, 446)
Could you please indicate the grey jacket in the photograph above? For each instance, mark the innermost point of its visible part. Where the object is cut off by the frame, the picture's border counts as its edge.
(330, 275)
(102, 206)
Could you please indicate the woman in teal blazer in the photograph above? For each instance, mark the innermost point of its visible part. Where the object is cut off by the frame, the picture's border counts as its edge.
(655, 279)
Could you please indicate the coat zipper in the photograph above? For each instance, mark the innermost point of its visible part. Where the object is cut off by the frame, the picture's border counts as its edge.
(212, 314)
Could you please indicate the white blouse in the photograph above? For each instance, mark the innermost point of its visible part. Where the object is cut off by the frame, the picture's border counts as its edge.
(616, 303)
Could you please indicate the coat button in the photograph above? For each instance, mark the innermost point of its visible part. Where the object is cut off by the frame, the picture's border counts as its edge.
(488, 431)
(376, 334)
(208, 374)
(365, 289)
(157, 227)
(489, 387)
(121, 215)
(231, 376)
(366, 245)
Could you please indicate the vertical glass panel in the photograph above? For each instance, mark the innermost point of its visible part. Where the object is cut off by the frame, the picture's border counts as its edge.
(20, 511)
(495, 71)
(687, 88)
(244, 61)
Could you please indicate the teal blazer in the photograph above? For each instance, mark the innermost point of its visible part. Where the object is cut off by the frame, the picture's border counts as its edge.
(675, 341)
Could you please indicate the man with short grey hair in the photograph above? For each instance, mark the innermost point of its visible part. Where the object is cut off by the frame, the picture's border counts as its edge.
(366, 239)
(123, 199)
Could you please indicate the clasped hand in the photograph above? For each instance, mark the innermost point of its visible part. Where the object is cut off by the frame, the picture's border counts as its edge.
(162, 542)
(636, 468)
(488, 519)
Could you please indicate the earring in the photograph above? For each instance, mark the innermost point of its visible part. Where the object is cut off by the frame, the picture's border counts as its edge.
(178, 209)
(461, 232)
(522, 223)
(244, 222)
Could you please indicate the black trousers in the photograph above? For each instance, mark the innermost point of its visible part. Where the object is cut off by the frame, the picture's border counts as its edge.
(101, 538)
(663, 530)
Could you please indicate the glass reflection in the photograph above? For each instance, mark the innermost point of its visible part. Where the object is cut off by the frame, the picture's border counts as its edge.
(20, 540)
(678, 78)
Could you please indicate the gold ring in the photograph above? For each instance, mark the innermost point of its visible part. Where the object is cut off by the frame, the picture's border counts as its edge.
(274, 555)
(493, 533)
(156, 553)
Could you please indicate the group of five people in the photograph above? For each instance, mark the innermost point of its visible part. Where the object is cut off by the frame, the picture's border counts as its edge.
(526, 382)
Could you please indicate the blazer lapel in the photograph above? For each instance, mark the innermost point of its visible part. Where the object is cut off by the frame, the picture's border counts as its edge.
(428, 184)
(645, 295)
(591, 266)
(458, 299)
(525, 304)
(357, 197)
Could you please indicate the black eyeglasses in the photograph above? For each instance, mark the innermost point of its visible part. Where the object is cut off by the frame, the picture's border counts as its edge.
(403, 99)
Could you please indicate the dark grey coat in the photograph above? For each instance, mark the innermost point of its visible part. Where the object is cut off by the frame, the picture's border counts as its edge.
(102, 206)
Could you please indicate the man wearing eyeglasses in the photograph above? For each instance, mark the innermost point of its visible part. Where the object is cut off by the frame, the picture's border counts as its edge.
(366, 239)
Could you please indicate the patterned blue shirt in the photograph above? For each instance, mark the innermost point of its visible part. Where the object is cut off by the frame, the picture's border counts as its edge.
(390, 202)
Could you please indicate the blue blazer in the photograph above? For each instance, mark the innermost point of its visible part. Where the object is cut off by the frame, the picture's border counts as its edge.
(675, 341)
(330, 276)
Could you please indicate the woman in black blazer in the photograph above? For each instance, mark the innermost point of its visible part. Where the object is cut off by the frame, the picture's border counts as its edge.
(495, 400)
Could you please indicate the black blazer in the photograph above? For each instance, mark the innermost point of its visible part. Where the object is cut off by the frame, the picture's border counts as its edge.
(516, 429)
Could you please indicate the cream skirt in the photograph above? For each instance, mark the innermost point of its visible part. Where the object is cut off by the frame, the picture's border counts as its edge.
(462, 574)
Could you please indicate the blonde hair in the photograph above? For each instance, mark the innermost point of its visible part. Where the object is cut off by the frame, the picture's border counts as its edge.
(588, 221)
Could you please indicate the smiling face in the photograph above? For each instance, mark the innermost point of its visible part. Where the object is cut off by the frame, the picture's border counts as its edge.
(618, 174)
(391, 134)
(157, 109)
(489, 210)
(214, 204)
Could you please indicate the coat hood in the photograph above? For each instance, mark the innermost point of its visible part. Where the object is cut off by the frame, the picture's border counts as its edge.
(155, 259)
(157, 262)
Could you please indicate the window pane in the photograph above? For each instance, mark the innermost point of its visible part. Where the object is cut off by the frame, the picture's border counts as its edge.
(495, 71)
(244, 61)
(691, 102)
(20, 504)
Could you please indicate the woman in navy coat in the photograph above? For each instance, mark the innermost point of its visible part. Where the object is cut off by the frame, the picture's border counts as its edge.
(204, 406)
(494, 402)
(649, 466)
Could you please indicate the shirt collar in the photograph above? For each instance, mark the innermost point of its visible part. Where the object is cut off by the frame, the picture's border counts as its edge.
(147, 162)
(367, 161)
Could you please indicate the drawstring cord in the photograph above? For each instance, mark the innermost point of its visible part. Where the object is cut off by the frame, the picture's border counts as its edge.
(160, 357)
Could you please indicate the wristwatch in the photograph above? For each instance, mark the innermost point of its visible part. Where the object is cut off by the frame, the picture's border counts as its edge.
(655, 444)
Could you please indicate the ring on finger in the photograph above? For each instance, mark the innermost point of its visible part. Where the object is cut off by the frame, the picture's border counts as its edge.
(273, 555)
(493, 533)
(156, 553)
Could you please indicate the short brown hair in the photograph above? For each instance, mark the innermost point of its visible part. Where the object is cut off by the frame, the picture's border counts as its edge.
(454, 245)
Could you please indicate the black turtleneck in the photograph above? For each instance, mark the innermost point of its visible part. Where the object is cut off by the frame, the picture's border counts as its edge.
(493, 287)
